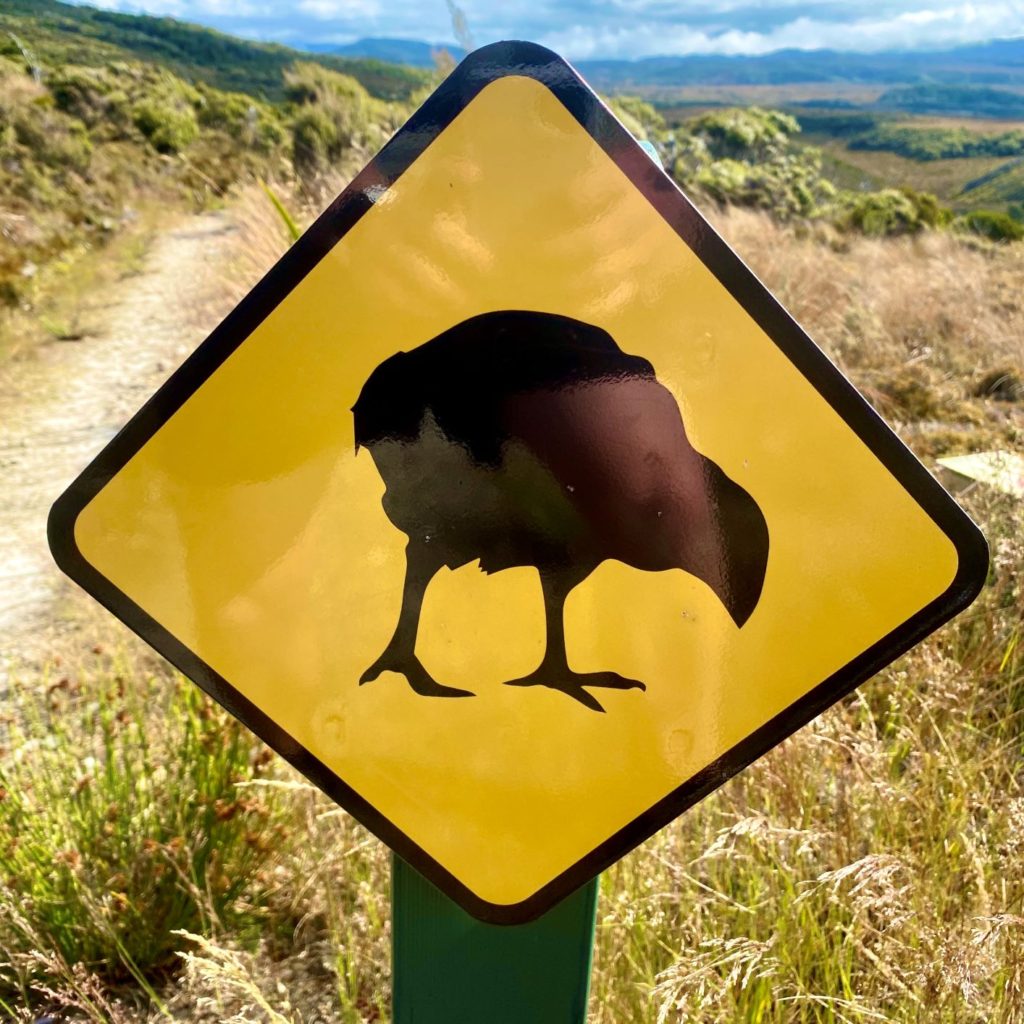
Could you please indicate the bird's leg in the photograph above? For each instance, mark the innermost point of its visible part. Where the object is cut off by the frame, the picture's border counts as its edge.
(554, 671)
(400, 653)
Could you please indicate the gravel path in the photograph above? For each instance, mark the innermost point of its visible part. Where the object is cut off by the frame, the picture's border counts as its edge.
(62, 401)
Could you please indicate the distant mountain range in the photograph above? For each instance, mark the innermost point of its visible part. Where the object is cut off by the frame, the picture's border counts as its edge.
(1000, 62)
(996, 63)
(984, 80)
(397, 51)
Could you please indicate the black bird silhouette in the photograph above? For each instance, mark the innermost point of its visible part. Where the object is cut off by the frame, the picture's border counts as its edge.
(524, 438)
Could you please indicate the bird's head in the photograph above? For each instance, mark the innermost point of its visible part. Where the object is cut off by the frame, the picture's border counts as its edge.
(742, 547)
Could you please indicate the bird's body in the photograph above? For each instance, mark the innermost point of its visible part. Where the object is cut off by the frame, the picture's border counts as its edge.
(520, 438)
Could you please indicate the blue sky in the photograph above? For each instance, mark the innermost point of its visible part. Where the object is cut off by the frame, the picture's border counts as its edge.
(582, 29)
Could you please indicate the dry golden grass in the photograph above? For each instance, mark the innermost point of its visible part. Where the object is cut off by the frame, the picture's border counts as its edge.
(917, 323)
(870, 869)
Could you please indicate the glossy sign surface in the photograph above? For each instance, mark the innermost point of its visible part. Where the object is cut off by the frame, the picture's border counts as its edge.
(511, 412)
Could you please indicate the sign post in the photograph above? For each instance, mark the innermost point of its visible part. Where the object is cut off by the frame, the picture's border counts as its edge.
(517, 514)
(449, 968)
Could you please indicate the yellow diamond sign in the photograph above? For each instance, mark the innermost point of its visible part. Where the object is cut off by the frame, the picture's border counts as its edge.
(510, 507)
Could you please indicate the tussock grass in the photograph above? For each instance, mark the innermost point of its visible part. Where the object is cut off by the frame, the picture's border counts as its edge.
(869, 869)
(121, 820)
(917, 323)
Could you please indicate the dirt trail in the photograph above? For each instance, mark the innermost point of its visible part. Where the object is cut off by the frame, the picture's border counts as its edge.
(61, 403)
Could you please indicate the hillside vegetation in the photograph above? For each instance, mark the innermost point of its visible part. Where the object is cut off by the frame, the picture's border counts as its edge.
(754, 157)
(861, 153)
(86, 147)
(874, 143)
(83, 147)
(927, 143)
(102, 114)
(109, 120)
(1005, 185)
(56, 34)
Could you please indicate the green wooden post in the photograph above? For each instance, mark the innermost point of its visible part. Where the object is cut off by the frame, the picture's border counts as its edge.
(449, 968)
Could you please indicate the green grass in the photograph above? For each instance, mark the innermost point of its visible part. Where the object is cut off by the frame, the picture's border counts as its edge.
(999, 188)
(943, 178)
(121, 820)
(939, 143)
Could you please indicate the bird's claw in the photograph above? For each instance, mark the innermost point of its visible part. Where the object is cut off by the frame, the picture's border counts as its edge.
(572, 684)
(421, 681)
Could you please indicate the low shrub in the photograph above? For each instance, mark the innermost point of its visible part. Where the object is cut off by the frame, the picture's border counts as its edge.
(170, 126)
(121, 820)
(639, 117)
(927, 143)
(790, 185)
(745, 133)
(100, 98)
(253, 124)
(332, 114)
(52, 139)
(891, 212)
(997, 227)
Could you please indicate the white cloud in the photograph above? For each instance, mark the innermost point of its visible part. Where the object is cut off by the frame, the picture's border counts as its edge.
(930, 27)
(334, 10)
(264, 33)
(173, 8)
(234, 8)
(706, 8)
(195, 10)
(584, 29)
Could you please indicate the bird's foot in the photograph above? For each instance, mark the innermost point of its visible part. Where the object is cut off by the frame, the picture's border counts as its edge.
(421, 681)
(573, 683)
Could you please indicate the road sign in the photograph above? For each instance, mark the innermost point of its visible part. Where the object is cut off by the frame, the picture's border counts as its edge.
(510, 507)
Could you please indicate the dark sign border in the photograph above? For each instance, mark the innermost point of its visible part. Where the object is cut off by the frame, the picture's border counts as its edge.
(478, 70)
